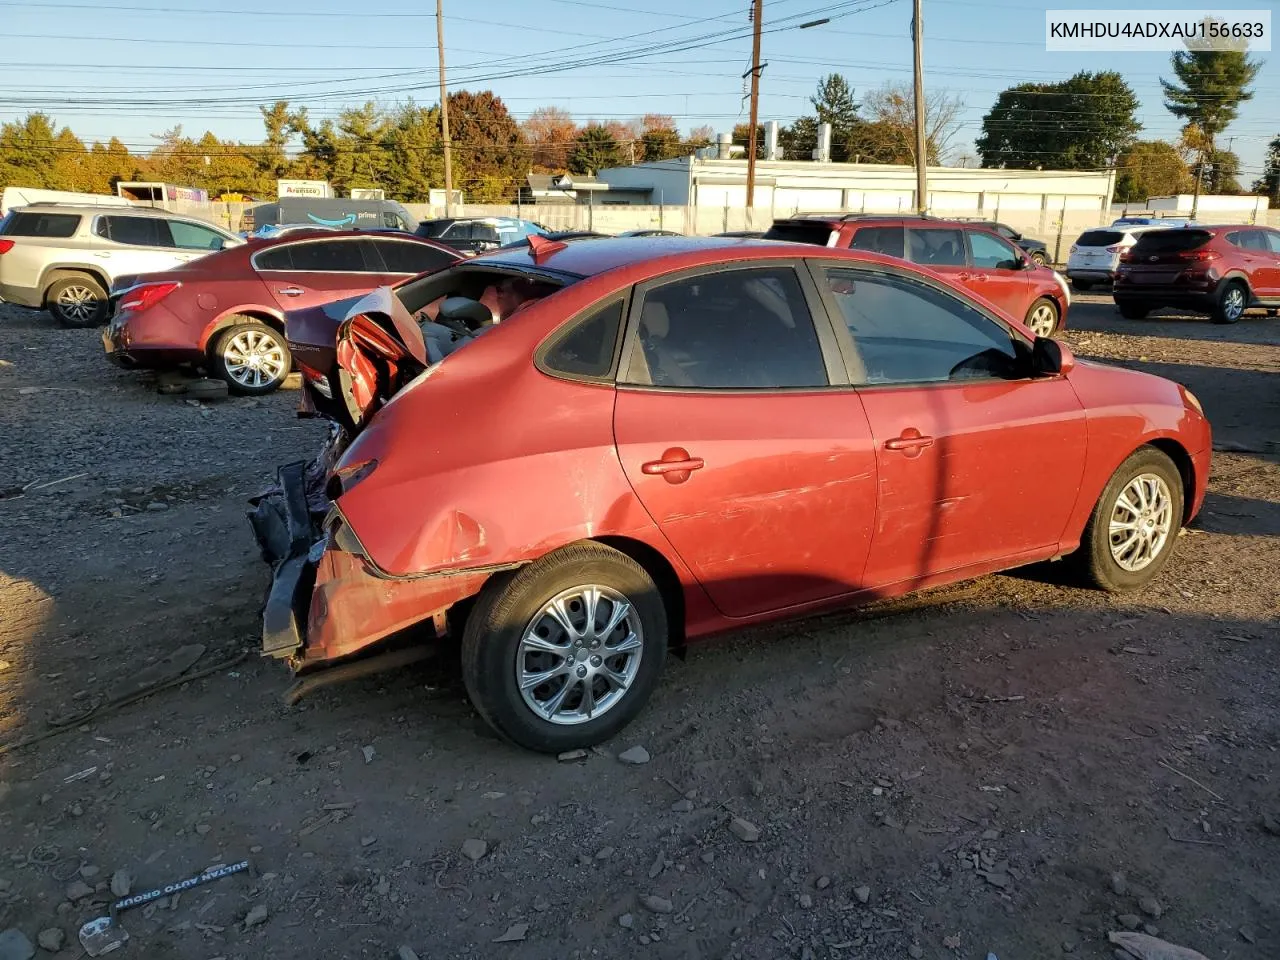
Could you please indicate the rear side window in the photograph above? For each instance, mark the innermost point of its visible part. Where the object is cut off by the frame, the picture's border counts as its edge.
(327, 256)
(886, 240)
(136, 231)
(816, 232)
(192, 236)
(586, 349)
(936, 247)
(20, 224)
(1099, 238)
(404, 256)
(459, 231)
(1273, 240)
(277, 258)
(1171, 241)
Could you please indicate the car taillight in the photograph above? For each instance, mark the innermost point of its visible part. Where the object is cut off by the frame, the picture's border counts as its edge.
(6, 246)
(1197, 255)
(146, 295)
(1115, 248)
(1074, 247)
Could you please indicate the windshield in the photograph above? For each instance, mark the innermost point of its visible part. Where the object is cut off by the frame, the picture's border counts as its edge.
(800, 232)
(1099, 238)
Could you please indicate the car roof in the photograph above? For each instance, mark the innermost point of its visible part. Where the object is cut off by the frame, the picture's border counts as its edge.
(328, 233)
(610, 253)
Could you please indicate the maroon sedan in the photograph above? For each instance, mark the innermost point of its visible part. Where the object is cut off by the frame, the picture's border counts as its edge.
(226, 312)
(665, 439)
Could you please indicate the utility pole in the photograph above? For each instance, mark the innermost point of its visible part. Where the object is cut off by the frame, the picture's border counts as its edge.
(757, 14)
(922, 151)
(444, 114)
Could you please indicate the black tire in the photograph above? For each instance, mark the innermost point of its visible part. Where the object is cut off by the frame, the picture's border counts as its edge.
(1081, 285)
(1041, 306)
(1233, 300)
(509, 604)
(1094, 558)
(239, 379)
(1040, 258)
(77, 300)
(1132, 311)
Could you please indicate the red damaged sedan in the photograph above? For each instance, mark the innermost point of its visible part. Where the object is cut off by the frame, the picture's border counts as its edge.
(645, 442)
(225, 312)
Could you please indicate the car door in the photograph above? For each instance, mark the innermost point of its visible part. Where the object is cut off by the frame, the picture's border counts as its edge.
(996, 272)
(400, 259)
(135, 245)
(978, 461)
(740, 439)
(311, 272)
(941, 249)
(1268, 286)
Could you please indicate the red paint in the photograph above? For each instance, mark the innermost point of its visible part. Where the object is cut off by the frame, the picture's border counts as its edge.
(763, 504)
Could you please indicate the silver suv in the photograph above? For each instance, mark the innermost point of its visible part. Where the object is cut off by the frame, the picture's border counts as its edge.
(64, 258)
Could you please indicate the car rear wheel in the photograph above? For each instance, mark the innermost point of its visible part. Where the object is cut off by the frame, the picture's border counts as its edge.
(1081, 285)
(1042, 318)
(252, 358)
(1232, 302)
(1130, 535)
(77, 301)
(564, 653)
(1132, 311)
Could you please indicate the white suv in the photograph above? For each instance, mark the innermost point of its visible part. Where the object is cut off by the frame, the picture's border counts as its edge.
(64, 258)
(1095, 255)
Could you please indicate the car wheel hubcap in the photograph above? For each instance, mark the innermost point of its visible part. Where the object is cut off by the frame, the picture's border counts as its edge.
(1235, 303)
(1141, 521)
(1042, 320)
(77, 302)
(254, 358)
(579, 655)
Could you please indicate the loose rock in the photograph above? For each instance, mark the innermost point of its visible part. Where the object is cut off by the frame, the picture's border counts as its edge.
(1130, 921)
(121, 883)
(78, 890)
(407, 953)
(51, 939)
(915, 951)
(744, 830)
(1119, 885)
(369, 754)
(656, 904)
(863, 894)
(1151, 907)
(88, 871)
(256, 916)
(823, 882)
(635, 756)
(570, 755)
(626, 921)
(14, 945)
(1247, 935)
(682, 806)
(474, 849)
(806, 901)
(515, 933)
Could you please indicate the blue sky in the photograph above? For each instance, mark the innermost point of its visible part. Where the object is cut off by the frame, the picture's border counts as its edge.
(135, 67)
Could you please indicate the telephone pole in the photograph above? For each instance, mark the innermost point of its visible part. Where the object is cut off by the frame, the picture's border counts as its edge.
(922, 151)
(444, 114)
(757, 14)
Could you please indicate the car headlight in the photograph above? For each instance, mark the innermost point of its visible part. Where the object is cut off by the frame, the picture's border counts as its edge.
(1193, 400)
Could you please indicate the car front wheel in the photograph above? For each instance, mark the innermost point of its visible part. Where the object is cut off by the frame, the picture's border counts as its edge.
(1130, 534)
(562, 654)
(252, 358)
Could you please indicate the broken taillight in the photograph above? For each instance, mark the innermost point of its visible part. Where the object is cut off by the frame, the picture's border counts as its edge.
(145, 295)
(6, 246)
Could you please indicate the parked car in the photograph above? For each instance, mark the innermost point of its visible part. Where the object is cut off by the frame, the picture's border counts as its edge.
(669, 439)
(225, 312)
(743, 234)
(973, 256)
(1218, 270)
(1153, 220)
(339, 213)
(1035, 249)
(1095, 255)
(563, 235)
(474, 235)
(64, 258)
(650, 233)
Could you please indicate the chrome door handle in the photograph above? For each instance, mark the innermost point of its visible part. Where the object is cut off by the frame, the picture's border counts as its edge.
(103, 256)
(290, 291)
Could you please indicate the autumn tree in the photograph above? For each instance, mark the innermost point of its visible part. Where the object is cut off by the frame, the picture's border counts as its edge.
(1269, 184)
(887, 135)
(488, 147)
(702, 136)
(1151, 168)
(28, 152)
(594, 149)
(415, 153)
(550, 132)
(742, 138)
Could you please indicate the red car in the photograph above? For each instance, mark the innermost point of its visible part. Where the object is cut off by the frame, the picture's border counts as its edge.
(1221, 271)
(225, 312)
(966, 253)
(670, 438)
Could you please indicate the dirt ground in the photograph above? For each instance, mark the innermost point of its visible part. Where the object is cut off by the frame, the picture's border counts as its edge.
(1015, 766)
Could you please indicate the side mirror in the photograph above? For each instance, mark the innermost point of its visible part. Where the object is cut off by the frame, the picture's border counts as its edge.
(1023, 262)
(1051, 358)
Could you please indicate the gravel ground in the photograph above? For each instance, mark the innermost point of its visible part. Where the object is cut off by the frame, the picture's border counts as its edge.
(1013, 765)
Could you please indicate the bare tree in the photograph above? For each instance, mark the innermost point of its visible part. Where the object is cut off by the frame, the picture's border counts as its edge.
(888, 124)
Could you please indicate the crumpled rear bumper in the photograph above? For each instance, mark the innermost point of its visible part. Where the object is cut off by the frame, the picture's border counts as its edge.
(288, 535)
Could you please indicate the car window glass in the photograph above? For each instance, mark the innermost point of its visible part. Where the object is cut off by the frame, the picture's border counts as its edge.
(936, 248)
(459, 231)
(192, 236)
(1254, 240)
(1273, 239)
(909, 332)
(328, 256)
(992, 252)
(733, 328)
(1007, 232)
(277, 258)
(484, 232)
(404, 256)
(586, 349)
(41, 224)
(139, 231)
(886, 240)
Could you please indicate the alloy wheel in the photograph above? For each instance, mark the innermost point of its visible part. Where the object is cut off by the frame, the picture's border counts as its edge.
(1141, 521)
(254, 358)
(1042, 321)
(1233, 303)
(579, 655)
(77, 303)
